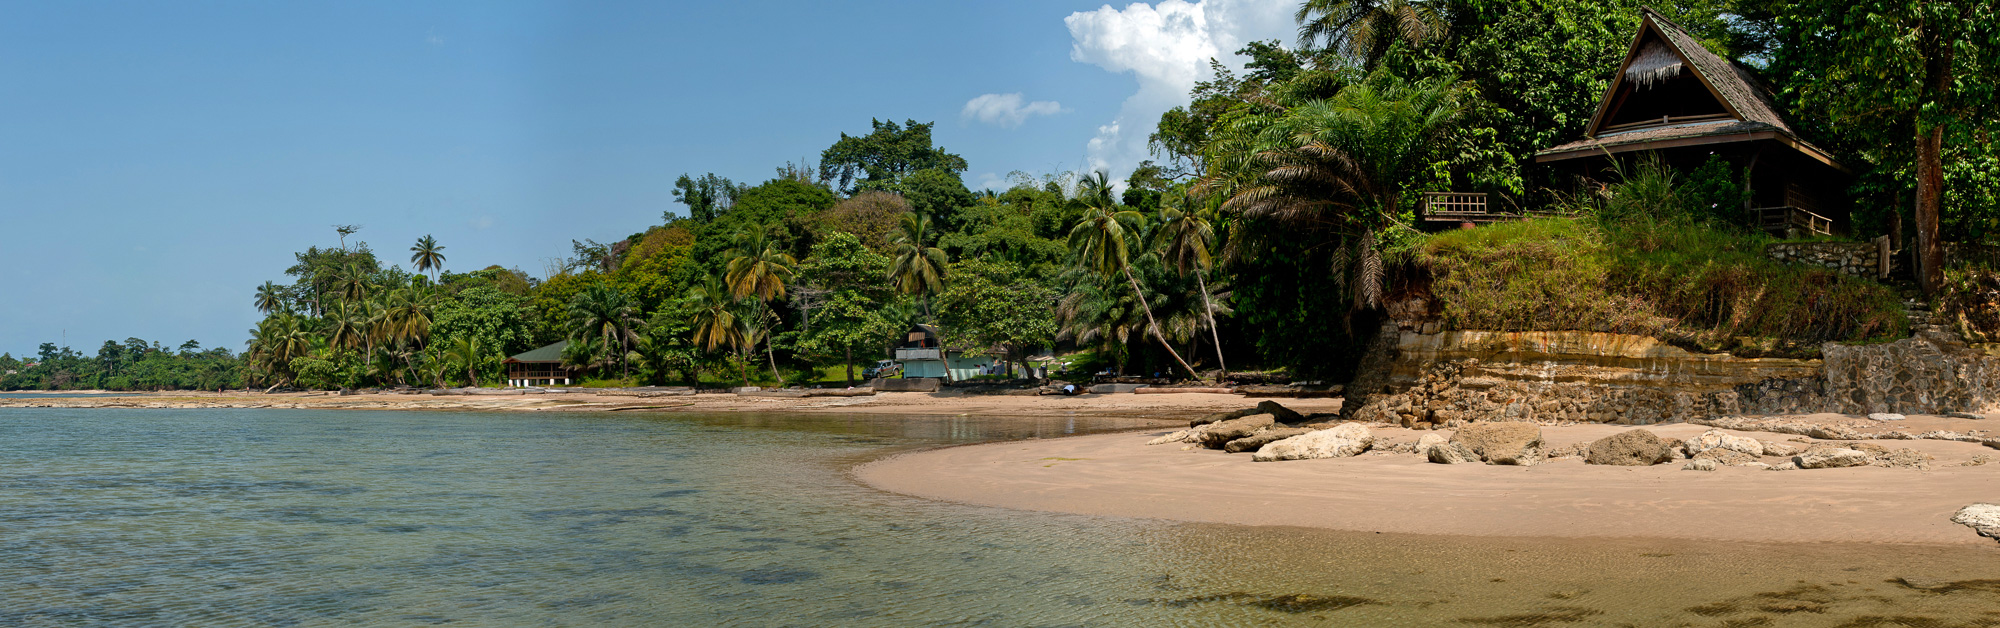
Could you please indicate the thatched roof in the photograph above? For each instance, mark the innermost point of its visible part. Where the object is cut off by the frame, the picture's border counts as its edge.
(1667, 52)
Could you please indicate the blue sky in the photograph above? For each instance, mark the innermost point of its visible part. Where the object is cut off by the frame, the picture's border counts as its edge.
(159, 160)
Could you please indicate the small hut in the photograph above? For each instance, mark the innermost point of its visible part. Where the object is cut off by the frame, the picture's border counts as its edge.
(540, 367)
(922, 356)
(1674, 98)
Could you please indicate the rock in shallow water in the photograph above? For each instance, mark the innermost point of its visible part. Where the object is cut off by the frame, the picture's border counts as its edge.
(1343, 440)
(1630, 448)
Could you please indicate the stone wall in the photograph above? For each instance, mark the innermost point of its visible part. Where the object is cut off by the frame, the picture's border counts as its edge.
(1855, 259)
(1457, 377)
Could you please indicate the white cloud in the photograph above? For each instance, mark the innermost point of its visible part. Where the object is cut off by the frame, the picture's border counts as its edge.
(1007, 110)
(431, 37)
(1166, 46)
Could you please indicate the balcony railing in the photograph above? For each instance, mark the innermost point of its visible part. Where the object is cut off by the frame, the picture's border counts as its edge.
(1781, 221)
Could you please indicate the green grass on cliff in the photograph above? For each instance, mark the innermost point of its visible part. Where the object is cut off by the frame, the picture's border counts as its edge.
(1677, 279)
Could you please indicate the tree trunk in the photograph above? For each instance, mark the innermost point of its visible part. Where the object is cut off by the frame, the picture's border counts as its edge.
(772, 354)
(850, 366)
(1154, 326)
(1930, 190)
(1209, 309)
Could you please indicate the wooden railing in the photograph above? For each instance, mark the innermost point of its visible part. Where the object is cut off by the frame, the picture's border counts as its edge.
(1782, 220)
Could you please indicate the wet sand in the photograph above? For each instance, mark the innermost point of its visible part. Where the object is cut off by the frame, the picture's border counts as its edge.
(1118, 475)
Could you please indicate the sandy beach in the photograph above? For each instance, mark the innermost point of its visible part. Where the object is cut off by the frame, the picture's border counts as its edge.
(1118, 475)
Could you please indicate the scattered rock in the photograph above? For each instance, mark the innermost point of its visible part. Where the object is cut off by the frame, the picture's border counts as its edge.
(1714, 439)
(1215, 435)
(1452, 453)
(1259, 439)
(1511, 443)
(1429, 441)
(1976, 461)
(1904, 459)
(1726, 456)
(1572, 450)
(1280, 413)
(1699, 464)
(1630, 448)
(1779, 449)
(1831, 458)
(1177, 436)
(1983, 518)
(1784, 466)
(1885, 416)
(1222, 416)
(1757, 465)
(1341, 441)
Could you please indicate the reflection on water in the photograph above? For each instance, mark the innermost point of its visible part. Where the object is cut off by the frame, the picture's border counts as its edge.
(252, 517)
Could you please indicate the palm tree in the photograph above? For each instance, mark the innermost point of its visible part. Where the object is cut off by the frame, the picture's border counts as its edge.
(1184, 238)
(1339, 166)
(465, 351)
(1099, 244)
(425, 254)
(270, 297)
(354, 282)
(715, 321)
(345, 327)
(759, 269)
(917, 268)
(605, 312)
(1368, 29)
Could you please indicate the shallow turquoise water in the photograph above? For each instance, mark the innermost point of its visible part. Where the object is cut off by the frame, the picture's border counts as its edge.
(293, 517)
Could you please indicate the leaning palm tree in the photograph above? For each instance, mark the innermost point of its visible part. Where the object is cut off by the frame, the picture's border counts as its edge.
(426, 254)
(758, 269)
(715, 321)
(605, 312)
(466, 352)
(1184, 239)
(1099, 242)
(1367, 29)
(270, 297)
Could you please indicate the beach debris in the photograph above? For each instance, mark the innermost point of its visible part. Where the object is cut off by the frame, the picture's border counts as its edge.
(1982, 518)
(1340, 441)
(1215, 435)
(1716, 439)
(1728, 457)
(1259, 439)
(1630, 448)
(1502, 442)
(1700, 464)
(1826, 457)
(1885, 416)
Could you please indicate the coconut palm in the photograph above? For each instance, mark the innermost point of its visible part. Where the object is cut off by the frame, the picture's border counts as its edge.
(355, 282)
(1184, 238)
(1099, 243)
(465, 351)
(758, 269)
(605, 312)
(917, 268)
(270, 297)
(715, 321)
(1368, 29)
(425, 254)
(346, 326)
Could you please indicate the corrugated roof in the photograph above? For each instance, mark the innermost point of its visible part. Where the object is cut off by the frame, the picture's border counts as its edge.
(551, 353)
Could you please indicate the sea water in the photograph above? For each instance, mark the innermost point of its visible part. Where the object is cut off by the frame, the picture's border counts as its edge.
(300, 517)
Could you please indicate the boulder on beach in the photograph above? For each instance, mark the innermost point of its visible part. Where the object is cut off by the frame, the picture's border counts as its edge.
(1340, 441)
(1503, 442)
(1781, 450)
(1215, 435)
(1451, 453)
(1700, 464)
(1982, 518)
(1716, 439)
(1832, 458)
(1428, 441)
(1630, 448)
(1259, 439)
(1280, 413)
(1224, 416)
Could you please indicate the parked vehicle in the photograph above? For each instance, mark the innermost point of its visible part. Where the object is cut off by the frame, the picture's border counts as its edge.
(883, 368)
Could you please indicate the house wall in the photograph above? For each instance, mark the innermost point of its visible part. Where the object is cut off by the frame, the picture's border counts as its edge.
(961, 367)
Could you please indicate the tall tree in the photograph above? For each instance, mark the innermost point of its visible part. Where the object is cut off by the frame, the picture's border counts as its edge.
(706, 196)
(758, 270)
(1916, 73)
(1100, 244)
(714, 317)
(917, 268)
(605, 312)
(1367, 29)
(880, 159)
(270, 297)
(426, 254)
(1184, 239)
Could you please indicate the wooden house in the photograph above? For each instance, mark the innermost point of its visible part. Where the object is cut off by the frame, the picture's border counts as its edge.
(540, 367)
(1675, 99)
(922, 356)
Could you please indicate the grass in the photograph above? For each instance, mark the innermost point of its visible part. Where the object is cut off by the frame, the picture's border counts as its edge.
(1677, 279)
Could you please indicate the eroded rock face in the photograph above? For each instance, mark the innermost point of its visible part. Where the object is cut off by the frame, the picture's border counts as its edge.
(1340, 441)
(1508, 443)
(1260, 439)
(1716, 439)
(1215, 435)
(1832, 458)
(1982, 518)
(1630, 448)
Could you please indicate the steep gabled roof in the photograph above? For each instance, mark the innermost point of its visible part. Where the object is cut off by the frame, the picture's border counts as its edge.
(551, 353)
(1749, 103)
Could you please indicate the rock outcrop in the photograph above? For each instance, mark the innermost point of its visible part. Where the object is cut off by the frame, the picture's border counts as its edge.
(1507, 443)
(1630, 448)
(1340, 441)
(1699, 464)
(1257, 440)
(1982, 518)
(1716, 439)
(1215, 435)
(1832, 458)
(1725, 457)
(1280, 413)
